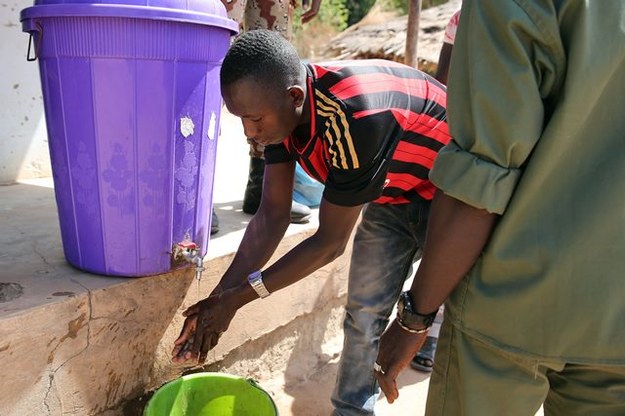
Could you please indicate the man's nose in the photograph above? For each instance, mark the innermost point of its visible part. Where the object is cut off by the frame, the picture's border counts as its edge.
(250, 130)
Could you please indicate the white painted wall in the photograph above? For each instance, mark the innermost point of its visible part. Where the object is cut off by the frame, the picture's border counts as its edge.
(23, 137)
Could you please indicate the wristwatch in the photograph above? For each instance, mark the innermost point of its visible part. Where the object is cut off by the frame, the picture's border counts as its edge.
(255, 280)
(411, 320)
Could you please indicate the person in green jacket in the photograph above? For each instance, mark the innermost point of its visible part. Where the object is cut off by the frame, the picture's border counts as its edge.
(526, 237)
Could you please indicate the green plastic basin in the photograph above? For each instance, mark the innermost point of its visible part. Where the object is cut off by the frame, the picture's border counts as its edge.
(211, 394)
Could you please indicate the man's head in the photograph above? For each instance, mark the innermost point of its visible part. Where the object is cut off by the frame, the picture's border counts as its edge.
(264, 83)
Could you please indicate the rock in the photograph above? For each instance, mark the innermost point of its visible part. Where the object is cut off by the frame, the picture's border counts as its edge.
(10, 291)
(387, 40)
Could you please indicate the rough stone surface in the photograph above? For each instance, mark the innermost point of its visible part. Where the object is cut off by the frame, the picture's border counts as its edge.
(87, 352)
(77, 343)
(386, 38)
(10, 291)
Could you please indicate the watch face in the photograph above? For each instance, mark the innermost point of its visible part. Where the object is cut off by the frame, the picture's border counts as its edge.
(402, 304)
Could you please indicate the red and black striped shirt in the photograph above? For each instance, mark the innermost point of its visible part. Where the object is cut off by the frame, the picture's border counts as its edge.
(376, 128)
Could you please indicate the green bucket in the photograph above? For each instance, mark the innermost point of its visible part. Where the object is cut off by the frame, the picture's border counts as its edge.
(211, 394)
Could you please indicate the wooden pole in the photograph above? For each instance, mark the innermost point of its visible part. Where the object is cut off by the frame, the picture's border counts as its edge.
(412, 33)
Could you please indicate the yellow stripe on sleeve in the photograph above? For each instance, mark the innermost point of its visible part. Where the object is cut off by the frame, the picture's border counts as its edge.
(326, 104)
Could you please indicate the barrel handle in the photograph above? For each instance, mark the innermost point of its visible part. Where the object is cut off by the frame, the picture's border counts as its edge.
(39, 29)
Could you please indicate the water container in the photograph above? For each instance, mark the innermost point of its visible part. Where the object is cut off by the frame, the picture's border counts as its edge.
(211, 394)
(132, 106)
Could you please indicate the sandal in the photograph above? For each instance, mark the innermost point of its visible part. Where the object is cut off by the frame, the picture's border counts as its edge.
(424, 360)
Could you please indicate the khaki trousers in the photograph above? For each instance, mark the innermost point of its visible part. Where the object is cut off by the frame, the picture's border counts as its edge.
(472, 378)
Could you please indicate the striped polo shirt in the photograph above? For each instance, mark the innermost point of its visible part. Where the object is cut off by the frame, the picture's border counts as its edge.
(376, 128)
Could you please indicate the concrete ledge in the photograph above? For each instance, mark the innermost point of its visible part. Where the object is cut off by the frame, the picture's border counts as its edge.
(77, 343)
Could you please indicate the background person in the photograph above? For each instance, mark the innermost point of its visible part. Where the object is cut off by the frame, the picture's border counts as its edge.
(444, 57)
(275, 15)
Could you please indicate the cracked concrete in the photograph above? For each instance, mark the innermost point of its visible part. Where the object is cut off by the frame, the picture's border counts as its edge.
(84, 344)
(45, 397)
(10, 291)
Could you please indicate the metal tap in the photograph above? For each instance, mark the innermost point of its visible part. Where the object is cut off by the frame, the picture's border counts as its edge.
(189, 252)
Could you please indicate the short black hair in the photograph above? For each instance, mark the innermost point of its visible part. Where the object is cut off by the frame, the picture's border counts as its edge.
(264, 55)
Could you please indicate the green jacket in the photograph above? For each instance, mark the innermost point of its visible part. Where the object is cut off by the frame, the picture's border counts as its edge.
(536, 106)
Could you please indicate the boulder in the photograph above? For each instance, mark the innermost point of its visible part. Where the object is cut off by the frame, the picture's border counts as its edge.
(381, 38)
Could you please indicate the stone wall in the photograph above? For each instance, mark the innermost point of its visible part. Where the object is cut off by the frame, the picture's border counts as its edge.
(386, 39)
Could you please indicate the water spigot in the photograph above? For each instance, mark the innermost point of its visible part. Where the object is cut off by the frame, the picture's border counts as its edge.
(189, 252)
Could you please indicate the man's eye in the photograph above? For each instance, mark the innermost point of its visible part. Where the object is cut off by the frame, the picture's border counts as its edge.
(256, 120)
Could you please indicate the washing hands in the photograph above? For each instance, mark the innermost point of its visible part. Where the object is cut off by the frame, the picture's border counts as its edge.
(205, 322)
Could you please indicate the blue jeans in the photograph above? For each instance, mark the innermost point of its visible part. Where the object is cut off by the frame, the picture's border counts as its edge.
(388, 241)
(306, 190)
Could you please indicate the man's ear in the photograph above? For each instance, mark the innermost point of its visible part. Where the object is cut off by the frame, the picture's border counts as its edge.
(297, 95)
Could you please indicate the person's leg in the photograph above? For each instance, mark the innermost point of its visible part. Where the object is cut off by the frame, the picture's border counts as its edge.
(471, 378)
(277, 16)
(214, 223)
(274, 15)
(580, 390)
(300, 213)
(424, 360)
(236, 10)
(306, 190)
(254, 186)
(384, 248)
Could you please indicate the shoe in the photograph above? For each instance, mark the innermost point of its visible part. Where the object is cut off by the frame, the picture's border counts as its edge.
(424, 360)
(300, 213)
(214, 223)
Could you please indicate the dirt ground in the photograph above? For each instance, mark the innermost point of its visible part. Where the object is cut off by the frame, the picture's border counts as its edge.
(312, 397)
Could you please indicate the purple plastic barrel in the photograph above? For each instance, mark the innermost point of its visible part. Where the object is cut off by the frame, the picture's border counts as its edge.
(132, 105)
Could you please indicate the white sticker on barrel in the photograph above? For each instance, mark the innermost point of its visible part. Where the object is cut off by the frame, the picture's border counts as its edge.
(186, 126)
(212, 124)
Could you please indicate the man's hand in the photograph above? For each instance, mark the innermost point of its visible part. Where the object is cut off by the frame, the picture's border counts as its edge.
(397, 348)
(312, 11)
(206, 321)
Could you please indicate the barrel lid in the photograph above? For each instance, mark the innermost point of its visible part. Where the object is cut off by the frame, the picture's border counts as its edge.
(208, 12)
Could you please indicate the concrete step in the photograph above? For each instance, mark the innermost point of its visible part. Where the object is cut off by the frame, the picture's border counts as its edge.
(79, 343)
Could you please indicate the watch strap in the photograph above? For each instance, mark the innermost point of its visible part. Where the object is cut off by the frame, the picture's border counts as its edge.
(411, 320)
(255, 280)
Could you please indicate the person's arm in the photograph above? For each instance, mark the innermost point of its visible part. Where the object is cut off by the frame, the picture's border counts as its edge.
(444, 58)
(266, 228)
(260, 240)
(335, 226)
(310, 12)
(456, 235)
(212, 316)
(501, 76)
(326, 244)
